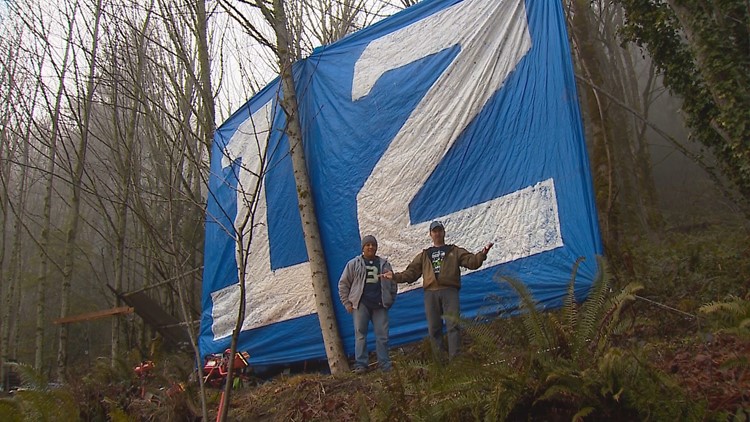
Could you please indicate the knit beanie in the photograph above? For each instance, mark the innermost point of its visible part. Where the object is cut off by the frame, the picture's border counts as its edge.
(369, 239)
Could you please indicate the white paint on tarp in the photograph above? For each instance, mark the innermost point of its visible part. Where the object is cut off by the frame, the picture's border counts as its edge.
(271, 296)
(522, 223)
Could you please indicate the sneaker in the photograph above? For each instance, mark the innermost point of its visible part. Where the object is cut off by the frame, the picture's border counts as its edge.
(359, 370)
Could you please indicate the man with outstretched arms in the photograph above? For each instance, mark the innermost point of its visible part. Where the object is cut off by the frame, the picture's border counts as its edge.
(439, 267)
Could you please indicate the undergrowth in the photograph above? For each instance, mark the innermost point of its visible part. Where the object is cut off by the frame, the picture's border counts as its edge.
(594, 360)
(688, 268)
(549, 365)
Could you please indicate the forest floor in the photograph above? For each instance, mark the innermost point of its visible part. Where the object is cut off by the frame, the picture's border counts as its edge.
(706, 370)
(711, 368)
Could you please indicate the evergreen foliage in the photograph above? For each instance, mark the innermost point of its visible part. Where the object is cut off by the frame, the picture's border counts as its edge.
(702, 48)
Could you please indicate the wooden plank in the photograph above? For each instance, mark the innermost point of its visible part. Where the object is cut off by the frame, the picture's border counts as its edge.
(94, 315)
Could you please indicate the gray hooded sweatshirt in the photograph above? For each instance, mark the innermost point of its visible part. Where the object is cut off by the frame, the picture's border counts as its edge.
(352, 283)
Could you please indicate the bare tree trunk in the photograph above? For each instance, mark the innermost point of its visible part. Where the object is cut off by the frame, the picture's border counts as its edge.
(44, 238)
(125, 158)
(208, 118)
(327, 21)
(6, 160)
(75, 200)
(602, 157)
(15, 126)
(620, 160)
(12, 281)
(16, 258)
(319, 273)
(244, 228)
(121, 223)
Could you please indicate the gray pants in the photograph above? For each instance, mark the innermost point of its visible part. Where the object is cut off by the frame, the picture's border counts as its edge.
(439, 303)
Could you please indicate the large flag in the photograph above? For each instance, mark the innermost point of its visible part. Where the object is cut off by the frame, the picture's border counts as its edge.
(459, 111)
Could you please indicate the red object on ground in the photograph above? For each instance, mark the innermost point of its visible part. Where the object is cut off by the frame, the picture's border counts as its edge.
(144, 368)
(216, 367)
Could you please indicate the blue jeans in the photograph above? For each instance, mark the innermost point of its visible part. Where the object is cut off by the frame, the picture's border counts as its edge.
(379, 317)
(437, 304)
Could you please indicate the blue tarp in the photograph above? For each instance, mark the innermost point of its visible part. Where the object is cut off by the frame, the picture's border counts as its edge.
(462, 111)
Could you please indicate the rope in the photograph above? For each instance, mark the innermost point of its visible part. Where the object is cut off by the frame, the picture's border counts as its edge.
(661, 305)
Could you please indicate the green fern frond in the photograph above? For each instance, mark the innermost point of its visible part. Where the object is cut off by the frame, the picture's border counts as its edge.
(592, 310)
(485, 340)
(31, 378)
(619, 327)
(611, 317)
(739, 331)
(119, 415)
(739, 362)
(730, 316)
(581, 414)
(562, 387)
(10, 410)
(48, 405)
(506, 394)
(364, 410)
(533, 320)
(734, 305)
(570, 307)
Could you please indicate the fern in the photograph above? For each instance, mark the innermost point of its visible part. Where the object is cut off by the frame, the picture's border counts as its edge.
(31, 378)
(538, 333)
(591, 312)
(567, 367)
(38, 400)
(582, 370)
(10, 410)
(570, 308)
(730, 316)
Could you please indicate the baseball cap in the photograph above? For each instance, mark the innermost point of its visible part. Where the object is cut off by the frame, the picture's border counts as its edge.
(435, 224)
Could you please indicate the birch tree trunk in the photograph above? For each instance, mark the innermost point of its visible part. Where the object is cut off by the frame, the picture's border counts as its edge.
(71, 228)
(6, 158)
(319, 273)
(327, 21)
(14, 155)
(16, 258)
(44, 237)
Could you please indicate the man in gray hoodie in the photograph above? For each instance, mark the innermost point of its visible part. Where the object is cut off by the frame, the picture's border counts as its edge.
(367, 296)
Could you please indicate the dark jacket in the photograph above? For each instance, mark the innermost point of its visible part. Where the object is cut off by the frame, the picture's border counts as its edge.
(450, 272)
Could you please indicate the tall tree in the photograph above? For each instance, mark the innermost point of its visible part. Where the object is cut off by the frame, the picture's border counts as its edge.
(48, 176)
(71, 228)
(337, 361)
(9, 153)
(616, 104)
(289, 45)
(701, 49)
(126, 115)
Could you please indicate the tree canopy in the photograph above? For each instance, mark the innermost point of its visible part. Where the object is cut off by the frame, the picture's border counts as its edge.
(703, 51)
